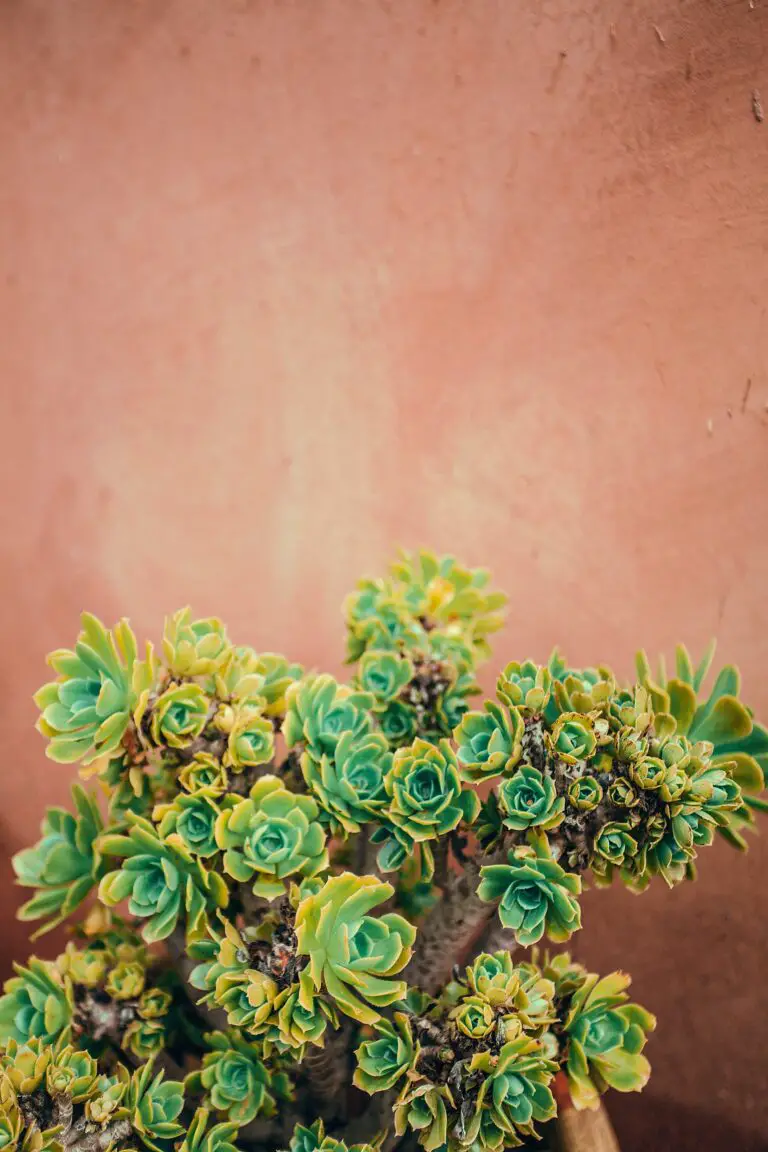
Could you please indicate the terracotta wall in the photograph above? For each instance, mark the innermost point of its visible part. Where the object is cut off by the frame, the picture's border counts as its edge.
(284, 283)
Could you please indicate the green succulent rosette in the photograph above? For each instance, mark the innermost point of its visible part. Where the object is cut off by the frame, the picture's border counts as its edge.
(251, 740)
(722, 721)
(315, 1139)
(648, 774)
(71, 1073)
(178, 715)
(154, 1105)
(37, 1002)
(194, 647)
(384, 674)
(144, 1039)
(398, 722)
(351, 954)
(421, 1107)
(427, 799)
(623, 794)
(126, 980)
(630, 745)
(525, 686)
(385, 1058)
(87, 966)
(108, 1102)
(529, 799)
(449, 600)
(25, 1064)
(11, 1120)
(203, 772)
(298, 1017)
(272, 834)
(692, 826)
(514, 1096)
(238, 681)
(378, 618)
(489, 743)
(474, 1017)
(192, 817)
(349, 786)
(519, 991)
(614, 843)
(585, 793)
(606, 1035)
(233, 1079)
(65, 865)
(534, 894)
(494, 977)
(202, 1136)
(154, 1003)
(277, 675)
(319, 711)
(162, 881)
(397, 850)
(573, 737)
(86, 711)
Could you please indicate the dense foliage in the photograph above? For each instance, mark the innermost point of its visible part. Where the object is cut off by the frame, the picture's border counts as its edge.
(246, 818)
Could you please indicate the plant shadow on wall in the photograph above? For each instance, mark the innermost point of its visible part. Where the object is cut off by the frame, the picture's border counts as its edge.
(329, 889)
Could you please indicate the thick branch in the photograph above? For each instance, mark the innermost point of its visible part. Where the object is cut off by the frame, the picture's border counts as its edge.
(452, 927)
(85, 1137)
(328, 1072)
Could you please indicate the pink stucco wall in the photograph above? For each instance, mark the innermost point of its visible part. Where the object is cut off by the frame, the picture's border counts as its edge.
(284, 284)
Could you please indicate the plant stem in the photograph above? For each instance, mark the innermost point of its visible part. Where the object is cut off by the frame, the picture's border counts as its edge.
(327, 1071)
(451, 929)
(85, 1137)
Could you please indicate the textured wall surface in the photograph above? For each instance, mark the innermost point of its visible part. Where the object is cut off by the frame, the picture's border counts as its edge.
(284, 284)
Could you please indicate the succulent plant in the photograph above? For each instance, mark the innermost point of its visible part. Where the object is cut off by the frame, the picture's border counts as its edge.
(37, 1002)
(421, 1106)
(534, 893)
(272, 834)
(192, 818)
(573, 737)
(384, 674)
(65, 865)
(524, 686)
(385, 1058)
(529, 799)
(194, 647)
(179, 715)
(126, 980)
(144, 1039)
(251, 740)
(161, 880)
(201, 1136)
(71, 1072)
(298, 1016)
(319, 711)
(489, 743)
(349, 786)
(233, 1079)
(426, 795)
(247, 806)
(585, 792)
(154, 1105)
(352, 954)
(86, 711)
(514, 1096)
(606, 1036)
(203, 772)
